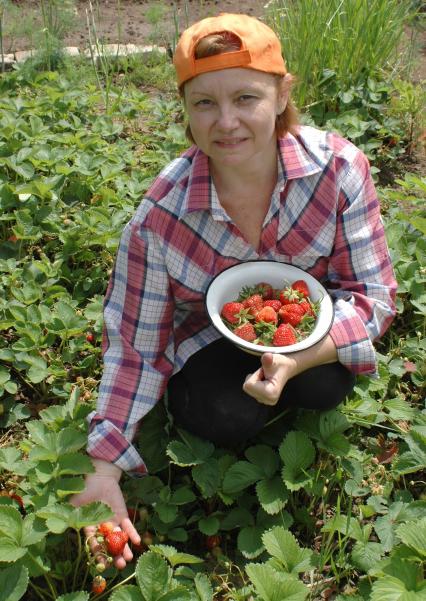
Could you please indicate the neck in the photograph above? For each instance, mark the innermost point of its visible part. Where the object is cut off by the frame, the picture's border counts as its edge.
(233, 180)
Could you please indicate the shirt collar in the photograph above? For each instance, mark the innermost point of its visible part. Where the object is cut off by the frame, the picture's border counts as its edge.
(297, 158)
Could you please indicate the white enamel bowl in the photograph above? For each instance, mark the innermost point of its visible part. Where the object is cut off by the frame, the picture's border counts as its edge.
(226, 286)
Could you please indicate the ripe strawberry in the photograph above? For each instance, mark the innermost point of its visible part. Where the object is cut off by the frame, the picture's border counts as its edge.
(105, 528)
(116, 542)
(246, 331)
(267, 314)
(230, 311)
(307, 307)
(288, 295)
(212, 541)
(98, 585)
(301, 287)
(253, 303)
(265, 290)
(284, 335)
(274, 303)
(292, 314)
(90, 338)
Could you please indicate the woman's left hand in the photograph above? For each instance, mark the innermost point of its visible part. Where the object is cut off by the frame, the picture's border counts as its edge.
(267, 383)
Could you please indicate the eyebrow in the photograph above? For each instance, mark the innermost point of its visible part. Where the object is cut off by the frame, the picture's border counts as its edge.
(249, 88)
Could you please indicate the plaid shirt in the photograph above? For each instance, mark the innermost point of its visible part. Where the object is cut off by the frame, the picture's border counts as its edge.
(324, 217)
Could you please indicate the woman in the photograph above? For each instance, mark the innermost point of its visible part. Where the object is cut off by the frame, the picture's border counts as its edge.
(255, 185)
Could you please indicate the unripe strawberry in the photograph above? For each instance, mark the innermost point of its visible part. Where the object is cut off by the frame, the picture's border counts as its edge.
(98, 585)
(147, 538)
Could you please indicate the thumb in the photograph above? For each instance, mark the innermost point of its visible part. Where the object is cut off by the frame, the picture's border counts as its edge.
(267, 361)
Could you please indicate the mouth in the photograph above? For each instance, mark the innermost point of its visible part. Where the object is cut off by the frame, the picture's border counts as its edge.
(229, 143)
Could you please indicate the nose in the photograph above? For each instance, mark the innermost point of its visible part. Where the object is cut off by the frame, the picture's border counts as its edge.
(228, 119)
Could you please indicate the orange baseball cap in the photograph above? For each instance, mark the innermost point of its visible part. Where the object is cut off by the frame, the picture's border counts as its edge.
(260, 47)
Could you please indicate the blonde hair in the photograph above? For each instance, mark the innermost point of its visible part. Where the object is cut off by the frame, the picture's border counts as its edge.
(218, 43)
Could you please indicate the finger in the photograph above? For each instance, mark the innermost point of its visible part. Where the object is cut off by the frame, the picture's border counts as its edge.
(128, 527)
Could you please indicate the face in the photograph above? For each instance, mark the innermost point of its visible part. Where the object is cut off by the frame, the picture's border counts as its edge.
(232, 114)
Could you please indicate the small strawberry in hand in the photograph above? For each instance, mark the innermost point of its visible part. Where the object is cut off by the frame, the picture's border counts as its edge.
(98, 585)
(230, 312)
(116, 541)
(301, 287)
(284, 335)
(105, 528)
(246, 331)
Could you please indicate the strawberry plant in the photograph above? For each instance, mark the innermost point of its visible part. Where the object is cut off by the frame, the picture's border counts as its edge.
(326, 505)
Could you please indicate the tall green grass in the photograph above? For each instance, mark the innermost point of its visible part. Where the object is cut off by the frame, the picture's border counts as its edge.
(353, 38)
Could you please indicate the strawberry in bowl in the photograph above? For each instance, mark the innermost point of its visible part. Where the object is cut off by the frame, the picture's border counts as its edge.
(267, 306)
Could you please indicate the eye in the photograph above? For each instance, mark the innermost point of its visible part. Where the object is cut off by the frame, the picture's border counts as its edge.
(245, 97)
(203, 102)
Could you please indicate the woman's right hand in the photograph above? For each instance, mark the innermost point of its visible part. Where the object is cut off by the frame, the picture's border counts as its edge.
(103, 485)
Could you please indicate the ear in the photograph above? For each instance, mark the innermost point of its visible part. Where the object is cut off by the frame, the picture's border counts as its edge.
(284, 87)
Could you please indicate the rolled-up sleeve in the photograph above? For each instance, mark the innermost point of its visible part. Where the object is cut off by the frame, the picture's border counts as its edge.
(137, 348)
(361, 278)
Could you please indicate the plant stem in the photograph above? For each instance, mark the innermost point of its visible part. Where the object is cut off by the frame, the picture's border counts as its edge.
(116, 586)
(78, 559)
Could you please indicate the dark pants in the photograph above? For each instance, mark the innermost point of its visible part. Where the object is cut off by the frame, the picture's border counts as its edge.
(206, 396)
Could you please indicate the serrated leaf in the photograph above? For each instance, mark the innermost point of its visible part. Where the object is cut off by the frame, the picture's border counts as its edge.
(265, 458)
(129, 592)
(209, 525)
(272, 494)
(175, 557)
(295, 480)
(13, 583)
(59, 517)
(192, 452)
(74, 463)
(33, 530)
(271, 585)
(153, 576)
(297, 451)
(203, 587)
(366, 556)
(167, 513)
(11, 524)
(10, 550)
(207, 477)
(390, 588)
(281, 544)
(413, 534)
(77, 596)
(241, 475)
(332, 422)
(249, 541)
(238, 517)
(179, 593)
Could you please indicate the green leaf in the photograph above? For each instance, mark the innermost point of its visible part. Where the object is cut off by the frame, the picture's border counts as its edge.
(207, 477)
(241, 475)
(179, 593)
(209, 525)
(128, 592)
(175, 557)
(265, 458)
(192, 452)
(249, 541)
(153, 576)
(33, 530)
(13, 583)
(297, 451)
(77, 596)
(238, 517)
(203, 587)
(390, 588)
(272, 494)
(11, 524)
(271, 585)
(59, 517)
(366, 555)
(413, 534)
(281, 544)
(166, 512)
(75, 463)
(10, 550)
